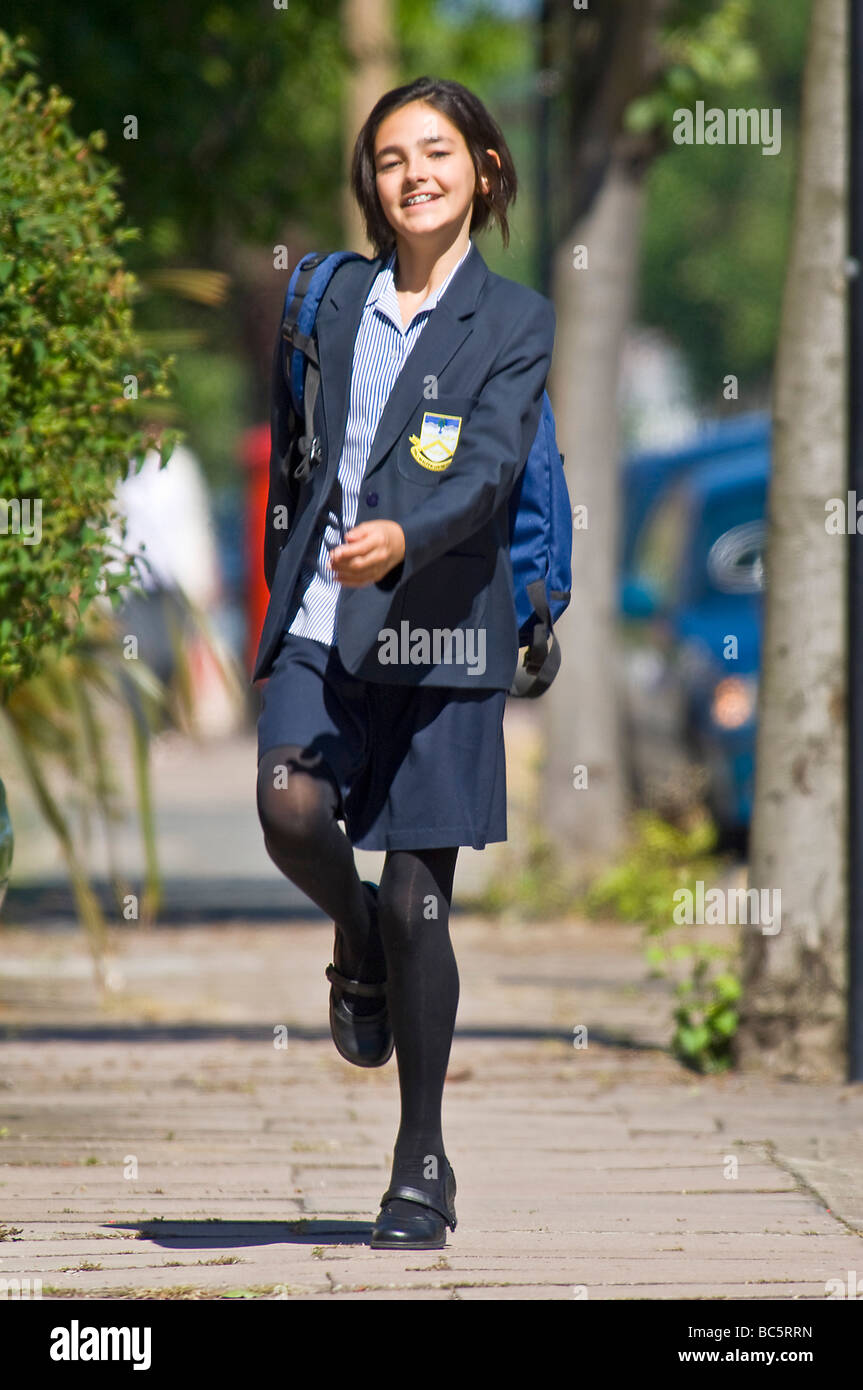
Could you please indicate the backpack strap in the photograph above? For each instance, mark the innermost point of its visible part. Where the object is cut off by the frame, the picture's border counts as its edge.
(305, 291)
(541, 664)
(310, 444)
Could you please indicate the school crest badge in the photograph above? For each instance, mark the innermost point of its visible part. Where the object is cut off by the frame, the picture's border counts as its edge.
(438, 437)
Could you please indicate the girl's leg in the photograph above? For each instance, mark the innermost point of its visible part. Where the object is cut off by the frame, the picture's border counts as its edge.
(423, 990)
(302, 836)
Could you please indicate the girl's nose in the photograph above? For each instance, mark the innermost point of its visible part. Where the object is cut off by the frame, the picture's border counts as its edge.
(415, 171)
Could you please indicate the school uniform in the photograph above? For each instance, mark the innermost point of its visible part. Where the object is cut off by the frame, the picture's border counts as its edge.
(399, 686)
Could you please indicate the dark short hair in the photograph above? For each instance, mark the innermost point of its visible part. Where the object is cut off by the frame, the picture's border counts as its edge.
(480, 132)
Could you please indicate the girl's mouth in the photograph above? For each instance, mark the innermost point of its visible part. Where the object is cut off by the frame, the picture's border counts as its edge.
(420, 199)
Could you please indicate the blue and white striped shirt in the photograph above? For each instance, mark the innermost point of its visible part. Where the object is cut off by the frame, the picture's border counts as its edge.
(381, 350)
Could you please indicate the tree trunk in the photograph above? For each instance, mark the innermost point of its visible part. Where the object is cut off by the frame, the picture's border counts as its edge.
(369, 29)
(794, 981)
(581, 710)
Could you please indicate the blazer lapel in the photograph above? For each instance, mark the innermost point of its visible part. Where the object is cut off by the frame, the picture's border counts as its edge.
(338, 321)
(448, 326)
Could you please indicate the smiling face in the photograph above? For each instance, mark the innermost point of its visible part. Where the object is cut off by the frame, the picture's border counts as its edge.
(425, 176)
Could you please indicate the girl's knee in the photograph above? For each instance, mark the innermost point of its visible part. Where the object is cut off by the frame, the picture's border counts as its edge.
(294, 805)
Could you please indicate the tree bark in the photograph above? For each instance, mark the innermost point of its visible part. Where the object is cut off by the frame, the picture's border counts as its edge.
(369, 29)
(581, 710)
(614, 56)
(794, 981)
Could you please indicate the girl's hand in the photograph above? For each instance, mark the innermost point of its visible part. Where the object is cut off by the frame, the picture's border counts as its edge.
(370, 551)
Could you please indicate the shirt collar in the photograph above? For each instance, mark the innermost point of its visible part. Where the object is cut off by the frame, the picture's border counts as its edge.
(383, 293)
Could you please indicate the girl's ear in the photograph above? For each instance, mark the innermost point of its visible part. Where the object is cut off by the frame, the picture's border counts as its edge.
(484, 184)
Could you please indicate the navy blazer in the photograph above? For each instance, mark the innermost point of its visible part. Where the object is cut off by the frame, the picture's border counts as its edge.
(445, 615)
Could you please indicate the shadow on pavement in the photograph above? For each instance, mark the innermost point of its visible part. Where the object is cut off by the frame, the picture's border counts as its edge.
(251, 1032)
(192, 1235)
(186, 902)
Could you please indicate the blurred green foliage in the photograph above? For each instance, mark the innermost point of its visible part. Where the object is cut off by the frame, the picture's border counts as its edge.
(660, 860)
(240, 112)
(73, 372)
(211, 390)
(717, 218)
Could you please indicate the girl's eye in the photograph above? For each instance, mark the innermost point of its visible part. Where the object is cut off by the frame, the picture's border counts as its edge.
(435, 154)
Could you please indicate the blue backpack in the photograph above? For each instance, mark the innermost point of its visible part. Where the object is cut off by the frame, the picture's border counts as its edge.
(540, 513)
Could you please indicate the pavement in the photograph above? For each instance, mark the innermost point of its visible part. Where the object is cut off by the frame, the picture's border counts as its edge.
(194, 1134)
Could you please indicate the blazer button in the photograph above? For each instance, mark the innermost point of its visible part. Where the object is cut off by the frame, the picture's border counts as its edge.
(372, 499)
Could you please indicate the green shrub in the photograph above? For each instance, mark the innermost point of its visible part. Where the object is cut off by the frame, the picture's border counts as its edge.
(73, 373)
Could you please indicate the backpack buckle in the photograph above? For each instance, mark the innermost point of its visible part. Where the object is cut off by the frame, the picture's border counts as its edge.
(312, 453)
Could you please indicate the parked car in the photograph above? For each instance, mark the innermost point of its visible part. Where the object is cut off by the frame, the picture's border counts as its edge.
(692, 636)
(646, 475)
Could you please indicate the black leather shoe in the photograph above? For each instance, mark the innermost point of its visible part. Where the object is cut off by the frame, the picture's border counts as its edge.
(366, 1040)
(426, 1230)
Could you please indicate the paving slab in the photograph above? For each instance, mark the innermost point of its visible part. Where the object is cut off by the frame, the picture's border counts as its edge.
(159, 1145)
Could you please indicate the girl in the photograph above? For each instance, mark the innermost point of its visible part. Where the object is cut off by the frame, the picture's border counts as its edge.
(390, 640)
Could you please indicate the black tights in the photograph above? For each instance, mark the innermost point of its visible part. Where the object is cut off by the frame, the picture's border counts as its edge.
(297, 805)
